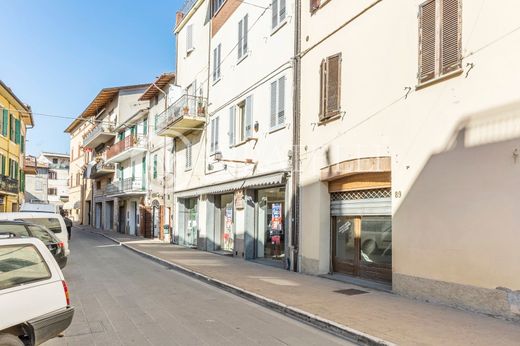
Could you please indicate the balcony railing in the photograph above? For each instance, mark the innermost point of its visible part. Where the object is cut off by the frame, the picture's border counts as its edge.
(102, 168)
(128, 185)
(99, 134)
(8, 184)
(191, 108)
(127, 143)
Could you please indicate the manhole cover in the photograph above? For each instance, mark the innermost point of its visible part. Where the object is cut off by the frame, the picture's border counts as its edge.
(351, 292)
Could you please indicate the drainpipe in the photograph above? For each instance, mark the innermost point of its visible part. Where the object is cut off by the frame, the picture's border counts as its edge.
(295, 198)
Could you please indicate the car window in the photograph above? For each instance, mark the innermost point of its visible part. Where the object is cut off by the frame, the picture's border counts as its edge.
(41, 233)
(51, 223)
(18, 230)
(21, 264)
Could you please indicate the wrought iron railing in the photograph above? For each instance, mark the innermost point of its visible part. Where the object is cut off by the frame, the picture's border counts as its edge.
(186, 105)
(128, 142)
(102, 127)
(126, 185)
(187, 5)
(8, 184)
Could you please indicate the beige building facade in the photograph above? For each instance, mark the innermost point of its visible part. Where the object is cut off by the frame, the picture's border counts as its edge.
(409, 148)
(80, 188)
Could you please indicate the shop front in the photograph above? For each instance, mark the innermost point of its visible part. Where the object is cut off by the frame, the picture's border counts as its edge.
(270, 237)
(188, 222)
(226, 222)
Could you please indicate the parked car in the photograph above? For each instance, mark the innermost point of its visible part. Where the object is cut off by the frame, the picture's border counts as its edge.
(34, 297)
(25, 229)
(52, 221)
(40, 207)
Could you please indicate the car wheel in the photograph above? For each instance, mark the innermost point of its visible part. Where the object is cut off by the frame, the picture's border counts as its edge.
(10, 340)
(369, 247)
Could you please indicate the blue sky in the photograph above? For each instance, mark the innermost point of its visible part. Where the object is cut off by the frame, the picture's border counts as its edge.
(58, 54)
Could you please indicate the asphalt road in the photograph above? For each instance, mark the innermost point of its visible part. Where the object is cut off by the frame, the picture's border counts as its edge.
(122, 298)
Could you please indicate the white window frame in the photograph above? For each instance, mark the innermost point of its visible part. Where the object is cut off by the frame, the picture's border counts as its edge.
(214, 144)
(217, 62)
(278, 14)
(243, 39)
(189, 39)
(279, 103)
(189, 156)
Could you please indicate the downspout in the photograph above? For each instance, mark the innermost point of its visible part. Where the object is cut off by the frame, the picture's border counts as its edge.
(295, 198)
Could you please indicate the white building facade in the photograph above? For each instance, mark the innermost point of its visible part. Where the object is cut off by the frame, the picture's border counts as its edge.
(408, 138)
(58, 177)
(234, 141)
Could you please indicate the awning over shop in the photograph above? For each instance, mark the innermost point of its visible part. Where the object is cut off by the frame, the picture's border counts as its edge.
(255, 182)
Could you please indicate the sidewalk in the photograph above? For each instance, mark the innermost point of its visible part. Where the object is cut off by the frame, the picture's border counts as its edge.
(379, 314)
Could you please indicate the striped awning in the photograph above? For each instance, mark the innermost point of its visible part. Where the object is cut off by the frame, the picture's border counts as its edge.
(254, 182)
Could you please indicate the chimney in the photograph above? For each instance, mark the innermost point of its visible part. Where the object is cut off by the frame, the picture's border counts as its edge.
(179, 16)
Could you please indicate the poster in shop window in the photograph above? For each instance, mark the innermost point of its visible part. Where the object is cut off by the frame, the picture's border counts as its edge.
(276, 218)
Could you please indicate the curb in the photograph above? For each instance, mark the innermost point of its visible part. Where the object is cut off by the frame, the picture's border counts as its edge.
(323, 324)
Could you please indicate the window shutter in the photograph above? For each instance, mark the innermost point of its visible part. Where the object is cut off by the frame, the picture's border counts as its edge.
(212, 143)
(332, 101)
(17, 131)
(189, 37)
(22, 144)
(240, 37)
(5, 122)
(249, 117)
(281, 100)
(155, 166)
(11, 127)
(217, 125)
(215, 63)
(274, 9)
(188, 155)
(282, 10)
(245, 30)
(145, 127)
(273, 103)
(2, 158)
(232, 125)
(323, 94)
(450, 36)
(427, 41)
(315, 4)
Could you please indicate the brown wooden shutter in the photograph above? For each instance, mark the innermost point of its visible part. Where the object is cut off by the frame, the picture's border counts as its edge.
(450, 36)
(427, 41)
(315, 4)
(323, 81)
(333, 85)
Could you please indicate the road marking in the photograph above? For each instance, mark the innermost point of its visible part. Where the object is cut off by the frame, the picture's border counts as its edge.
(109, 245)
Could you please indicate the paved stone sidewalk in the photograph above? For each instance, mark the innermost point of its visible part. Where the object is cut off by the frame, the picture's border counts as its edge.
(380, 314)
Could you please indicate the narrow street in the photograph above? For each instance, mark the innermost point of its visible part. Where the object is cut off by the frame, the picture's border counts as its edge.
(124, 299)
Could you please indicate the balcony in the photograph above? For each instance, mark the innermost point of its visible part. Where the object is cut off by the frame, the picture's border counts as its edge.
(186, 114)
(99, 134)
(101, 168)
(8, 185)
(126, 148)
(129, 186)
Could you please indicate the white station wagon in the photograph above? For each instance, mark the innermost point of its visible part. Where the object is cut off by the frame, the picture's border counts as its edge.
(34, 297)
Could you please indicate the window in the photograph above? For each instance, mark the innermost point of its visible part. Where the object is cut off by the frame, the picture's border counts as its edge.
(78, 179)
(330, 87)
(439, 38)
(13, 169)
(155, 166)
(188, 155)
(55, 161)
(216, 62)
(51, 223)
(5, 122)
(21, 264)
(217, 4)
(189, 39)
(19, 230)
(53, 175)
(11, 127)
(278, 12)
(277, 103)
(242, 37)
(52, 191)
(2, 163)
(145, 126)
(214, 135)
(232, 125)
(98, 185)
(245, 111)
